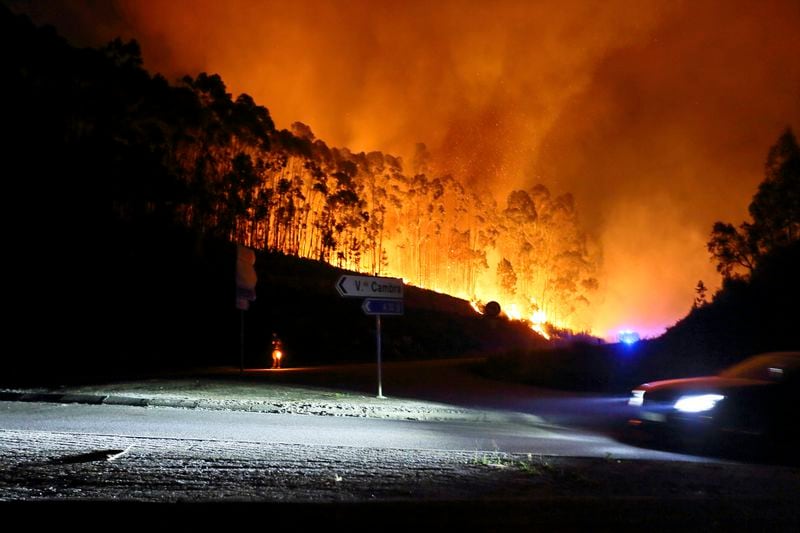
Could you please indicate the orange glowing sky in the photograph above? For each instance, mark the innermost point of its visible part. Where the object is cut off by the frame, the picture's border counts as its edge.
(656, 115)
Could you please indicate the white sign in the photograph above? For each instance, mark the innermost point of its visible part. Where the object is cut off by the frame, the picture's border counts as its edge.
(367, 286)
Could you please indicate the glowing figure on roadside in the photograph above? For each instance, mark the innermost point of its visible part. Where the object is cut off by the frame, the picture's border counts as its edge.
(277, 351)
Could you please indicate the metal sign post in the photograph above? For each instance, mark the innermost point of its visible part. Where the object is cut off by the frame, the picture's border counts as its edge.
(241, 343)
(380, 379)
(382, 296)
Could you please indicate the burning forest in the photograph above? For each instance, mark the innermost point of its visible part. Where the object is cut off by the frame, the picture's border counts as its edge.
(289, 192)
(568, 160)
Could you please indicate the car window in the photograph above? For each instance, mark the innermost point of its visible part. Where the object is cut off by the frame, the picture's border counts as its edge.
(765, 368)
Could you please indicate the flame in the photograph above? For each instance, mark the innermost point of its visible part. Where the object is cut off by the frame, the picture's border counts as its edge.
(484, 96)
(537, 321)
(474, 305)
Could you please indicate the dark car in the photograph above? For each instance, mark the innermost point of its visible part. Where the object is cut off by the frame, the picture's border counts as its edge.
(757, 400)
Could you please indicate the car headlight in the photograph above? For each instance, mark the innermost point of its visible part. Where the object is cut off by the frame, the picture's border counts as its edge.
(637, 398)
(697, 403)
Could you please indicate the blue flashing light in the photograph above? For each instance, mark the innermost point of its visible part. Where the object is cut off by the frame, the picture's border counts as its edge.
(628, 336)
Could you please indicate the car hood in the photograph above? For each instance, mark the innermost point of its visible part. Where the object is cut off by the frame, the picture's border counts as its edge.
(705, 384)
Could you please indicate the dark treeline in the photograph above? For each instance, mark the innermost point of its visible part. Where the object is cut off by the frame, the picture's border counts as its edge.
(190, 154)
(757, 308)
(126, 195)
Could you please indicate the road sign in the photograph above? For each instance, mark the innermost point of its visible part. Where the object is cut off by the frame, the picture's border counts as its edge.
(383, 296)
(373, 306)
(368, 286)
(246, 277)
(244, 297)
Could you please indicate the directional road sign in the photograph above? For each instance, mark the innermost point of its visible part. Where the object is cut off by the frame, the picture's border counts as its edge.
(368, 286)
(373, 306)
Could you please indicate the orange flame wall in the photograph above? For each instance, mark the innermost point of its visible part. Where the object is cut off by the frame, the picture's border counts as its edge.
(656, 115)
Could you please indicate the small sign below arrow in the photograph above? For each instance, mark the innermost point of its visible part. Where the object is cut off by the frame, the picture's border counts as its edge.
(373, 306)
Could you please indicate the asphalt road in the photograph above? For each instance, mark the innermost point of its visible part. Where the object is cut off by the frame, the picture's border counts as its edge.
(516, 434)
(301, 471)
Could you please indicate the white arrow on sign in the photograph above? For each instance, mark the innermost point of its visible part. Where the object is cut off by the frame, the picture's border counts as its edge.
(368, 286)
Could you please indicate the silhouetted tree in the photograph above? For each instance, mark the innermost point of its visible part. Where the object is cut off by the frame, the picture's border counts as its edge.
(732, 248)
(775, 212)
(700, 295)
(506, 277)
(775, 208)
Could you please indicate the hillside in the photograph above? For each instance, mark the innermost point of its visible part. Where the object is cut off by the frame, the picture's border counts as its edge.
(127, 194)
(170, 305)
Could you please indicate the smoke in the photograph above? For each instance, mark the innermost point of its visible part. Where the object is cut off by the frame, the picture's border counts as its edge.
(671, 135)
(656, 115)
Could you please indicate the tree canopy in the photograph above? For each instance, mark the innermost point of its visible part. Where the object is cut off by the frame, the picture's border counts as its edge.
(146, 151)
(774, 212)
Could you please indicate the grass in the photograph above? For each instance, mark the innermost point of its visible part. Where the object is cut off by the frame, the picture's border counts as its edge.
(492, 459)
(534, 465)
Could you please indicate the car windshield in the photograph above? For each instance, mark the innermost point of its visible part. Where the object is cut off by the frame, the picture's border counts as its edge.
(768, 367)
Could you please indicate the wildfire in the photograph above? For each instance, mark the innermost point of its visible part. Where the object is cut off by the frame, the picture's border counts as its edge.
(474, 305)
(591, 113)
(537, 321)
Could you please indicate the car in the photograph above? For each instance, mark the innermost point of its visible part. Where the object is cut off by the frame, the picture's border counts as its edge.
(754, 401)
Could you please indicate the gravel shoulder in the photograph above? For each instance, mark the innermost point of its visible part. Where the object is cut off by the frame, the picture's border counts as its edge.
(324, 391)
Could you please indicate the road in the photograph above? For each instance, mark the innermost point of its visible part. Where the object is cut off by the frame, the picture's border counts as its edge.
(300, 470)
(488, 456)
(516, 434)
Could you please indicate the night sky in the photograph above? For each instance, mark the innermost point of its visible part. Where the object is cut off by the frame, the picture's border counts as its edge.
(657, 115)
